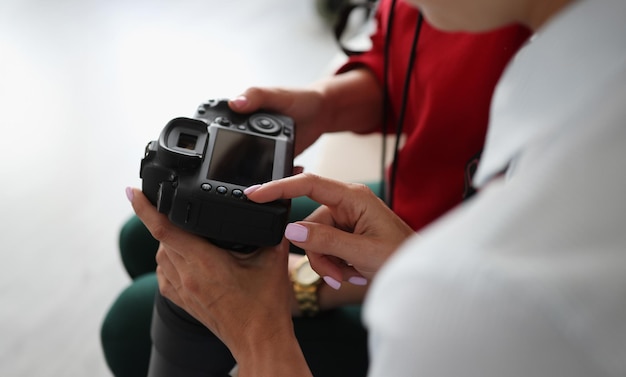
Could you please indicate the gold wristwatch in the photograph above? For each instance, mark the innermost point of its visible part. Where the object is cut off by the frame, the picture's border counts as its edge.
(305, 283)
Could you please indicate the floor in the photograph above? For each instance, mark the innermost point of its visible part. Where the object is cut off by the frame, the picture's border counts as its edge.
(84, 85)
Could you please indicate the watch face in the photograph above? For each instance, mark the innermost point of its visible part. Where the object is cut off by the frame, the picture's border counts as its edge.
(306, 275)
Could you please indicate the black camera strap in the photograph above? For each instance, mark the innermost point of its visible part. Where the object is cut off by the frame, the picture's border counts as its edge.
(387, 188)
(403, 104)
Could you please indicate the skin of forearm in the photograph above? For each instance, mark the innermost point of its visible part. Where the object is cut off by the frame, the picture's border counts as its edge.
(282, 357)
(354, 101)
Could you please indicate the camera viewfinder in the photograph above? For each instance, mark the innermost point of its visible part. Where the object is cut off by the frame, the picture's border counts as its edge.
(187, 141)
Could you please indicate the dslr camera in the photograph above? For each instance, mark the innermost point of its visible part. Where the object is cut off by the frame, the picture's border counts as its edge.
(197, 170)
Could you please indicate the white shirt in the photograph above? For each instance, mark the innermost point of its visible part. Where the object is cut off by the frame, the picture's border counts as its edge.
(529, 277)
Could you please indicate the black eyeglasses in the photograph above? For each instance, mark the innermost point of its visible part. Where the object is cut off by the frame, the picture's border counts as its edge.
(344, 16)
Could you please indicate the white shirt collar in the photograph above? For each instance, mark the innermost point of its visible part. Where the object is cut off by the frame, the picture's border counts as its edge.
(576, 53)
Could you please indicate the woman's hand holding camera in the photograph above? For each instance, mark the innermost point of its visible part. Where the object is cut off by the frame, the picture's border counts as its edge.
(350, 101)
(244, 300)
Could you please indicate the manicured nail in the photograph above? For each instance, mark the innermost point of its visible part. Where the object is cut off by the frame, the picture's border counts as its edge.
(334, 284)
(296, 232)
(240, 101)
(358, 280)
(251, 189)
(130, 194)
(298, 170)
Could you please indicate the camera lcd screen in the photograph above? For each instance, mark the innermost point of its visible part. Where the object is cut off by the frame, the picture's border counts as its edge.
(241, 159)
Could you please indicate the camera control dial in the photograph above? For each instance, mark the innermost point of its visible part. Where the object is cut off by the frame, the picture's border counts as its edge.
(265, 124)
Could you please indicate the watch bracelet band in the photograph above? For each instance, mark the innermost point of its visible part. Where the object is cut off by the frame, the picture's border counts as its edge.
(307, 299)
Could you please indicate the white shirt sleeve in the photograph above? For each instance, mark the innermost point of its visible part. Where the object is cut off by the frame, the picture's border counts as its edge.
(478, 332)
(529, 277)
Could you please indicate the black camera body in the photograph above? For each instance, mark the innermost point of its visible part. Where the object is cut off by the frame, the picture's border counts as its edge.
(198, 168)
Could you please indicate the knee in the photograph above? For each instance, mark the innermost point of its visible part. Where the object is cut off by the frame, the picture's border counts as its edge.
(125, 331)
(137, 248)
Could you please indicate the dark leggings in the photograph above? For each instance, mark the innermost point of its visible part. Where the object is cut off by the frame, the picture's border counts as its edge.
(334, 342)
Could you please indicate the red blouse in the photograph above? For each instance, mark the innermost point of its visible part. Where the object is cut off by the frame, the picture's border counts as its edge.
(452, 82)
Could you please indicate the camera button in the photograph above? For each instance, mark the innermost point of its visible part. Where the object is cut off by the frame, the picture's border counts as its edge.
(221, 190)
(222, 121)
(206, 187)
(264, 124)
(237, 193)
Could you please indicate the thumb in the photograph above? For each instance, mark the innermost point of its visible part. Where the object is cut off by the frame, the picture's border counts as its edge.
(255, 98)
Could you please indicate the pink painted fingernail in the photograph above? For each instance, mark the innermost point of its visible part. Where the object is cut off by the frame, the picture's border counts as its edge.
(358, 280)
(130, 194)
(296, 232)
(334, 284)
(251, 189)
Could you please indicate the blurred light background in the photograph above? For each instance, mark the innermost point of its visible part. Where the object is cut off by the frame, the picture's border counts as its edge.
(84, 85)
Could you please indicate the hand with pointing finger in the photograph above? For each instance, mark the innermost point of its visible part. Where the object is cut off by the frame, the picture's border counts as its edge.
(349, 237)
